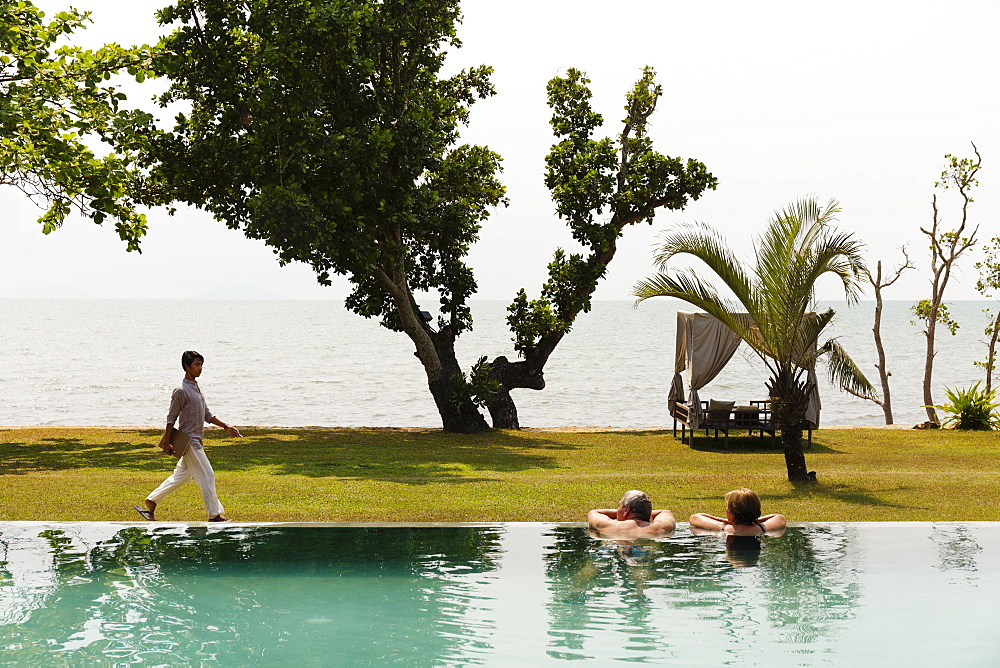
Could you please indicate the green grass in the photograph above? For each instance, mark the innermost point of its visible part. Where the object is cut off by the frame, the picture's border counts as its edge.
(393, 475)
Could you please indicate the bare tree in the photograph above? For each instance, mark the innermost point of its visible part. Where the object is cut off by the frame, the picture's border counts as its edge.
(946, 248)
(988, 283)
(878, 282)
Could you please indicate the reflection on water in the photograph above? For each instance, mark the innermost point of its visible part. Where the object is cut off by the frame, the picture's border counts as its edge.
(93, 593)
(246, 595)
(957, 551)
(743, 551)
(800, 585)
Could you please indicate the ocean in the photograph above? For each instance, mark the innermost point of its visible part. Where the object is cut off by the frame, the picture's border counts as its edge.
(312, 363)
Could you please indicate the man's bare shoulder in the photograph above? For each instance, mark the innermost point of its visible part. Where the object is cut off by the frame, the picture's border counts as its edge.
(633, 529)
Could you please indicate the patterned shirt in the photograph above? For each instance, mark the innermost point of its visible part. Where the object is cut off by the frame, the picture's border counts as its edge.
(188, 404)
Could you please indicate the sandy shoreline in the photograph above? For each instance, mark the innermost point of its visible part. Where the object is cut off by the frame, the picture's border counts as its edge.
(571, 429)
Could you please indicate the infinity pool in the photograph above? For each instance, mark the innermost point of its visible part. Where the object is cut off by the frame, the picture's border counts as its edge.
(317, 595)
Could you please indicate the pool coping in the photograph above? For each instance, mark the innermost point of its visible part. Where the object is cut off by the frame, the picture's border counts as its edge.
(415, 525)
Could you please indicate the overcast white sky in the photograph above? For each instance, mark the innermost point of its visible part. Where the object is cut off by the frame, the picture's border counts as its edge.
(857, 101)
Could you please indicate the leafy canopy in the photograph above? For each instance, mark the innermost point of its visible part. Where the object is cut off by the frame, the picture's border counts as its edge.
(599, 187)
(55, 101)
(324, 128)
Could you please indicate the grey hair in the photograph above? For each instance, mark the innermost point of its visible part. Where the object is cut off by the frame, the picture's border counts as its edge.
(638, 504)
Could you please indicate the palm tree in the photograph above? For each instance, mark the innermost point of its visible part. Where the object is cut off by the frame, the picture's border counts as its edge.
(799, 246)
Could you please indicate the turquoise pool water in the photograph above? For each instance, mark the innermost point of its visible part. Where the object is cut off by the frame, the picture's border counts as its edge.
(173, 594)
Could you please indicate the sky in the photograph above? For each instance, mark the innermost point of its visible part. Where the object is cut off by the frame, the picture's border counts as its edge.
(853, 101)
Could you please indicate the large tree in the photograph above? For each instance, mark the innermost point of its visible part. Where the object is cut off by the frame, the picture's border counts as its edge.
(55, 105)
(799, 246)
(947, 246)
(600, 187)
(326, 129)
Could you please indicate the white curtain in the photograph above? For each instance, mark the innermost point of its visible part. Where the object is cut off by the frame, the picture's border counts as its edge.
(812, 410)
(704, 347)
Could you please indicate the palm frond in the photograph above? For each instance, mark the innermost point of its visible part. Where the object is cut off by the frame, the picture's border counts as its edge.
(709, 246)
(842, 255)
(687, 286)
(844, 373)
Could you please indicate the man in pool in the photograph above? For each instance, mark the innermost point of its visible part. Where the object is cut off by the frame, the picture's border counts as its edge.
(633, 518)
(188, 408)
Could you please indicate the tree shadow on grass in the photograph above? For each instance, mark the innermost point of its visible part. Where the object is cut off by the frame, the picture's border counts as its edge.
(410, 457)
(405, 457)
(848, 494)
(754, 445)
(60, 454)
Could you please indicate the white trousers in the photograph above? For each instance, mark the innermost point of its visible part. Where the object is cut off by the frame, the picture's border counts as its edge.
(194, 464)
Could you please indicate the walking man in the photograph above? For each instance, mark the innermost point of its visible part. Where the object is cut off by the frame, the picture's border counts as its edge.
(188, 409)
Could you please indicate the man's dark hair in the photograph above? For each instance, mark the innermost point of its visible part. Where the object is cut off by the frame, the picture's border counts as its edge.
(189, 356)
(638, 503)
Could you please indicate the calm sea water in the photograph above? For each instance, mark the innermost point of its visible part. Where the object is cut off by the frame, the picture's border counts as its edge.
(295, 363)
(894, 594)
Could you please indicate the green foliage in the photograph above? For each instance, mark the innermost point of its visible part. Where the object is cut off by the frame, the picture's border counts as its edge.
(324, 128)
(599, 187)
(530, 320)
(923, 309)
(475, 388)
(54, 103)
(959, 173)
(987, 285)
(989, 269)
(971, 408)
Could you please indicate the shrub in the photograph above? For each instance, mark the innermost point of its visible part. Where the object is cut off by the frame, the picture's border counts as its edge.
(971, 408)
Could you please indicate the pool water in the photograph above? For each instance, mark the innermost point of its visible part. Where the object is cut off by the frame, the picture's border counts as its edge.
(426, 595)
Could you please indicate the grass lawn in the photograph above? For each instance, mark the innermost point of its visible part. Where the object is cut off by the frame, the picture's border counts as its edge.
(394, 475)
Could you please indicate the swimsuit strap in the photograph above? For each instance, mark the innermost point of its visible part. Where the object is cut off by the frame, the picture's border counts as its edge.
(761, 525)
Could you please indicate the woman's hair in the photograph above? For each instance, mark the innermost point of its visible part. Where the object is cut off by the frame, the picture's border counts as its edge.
(188, 358)
(744, 505)
(638, 503)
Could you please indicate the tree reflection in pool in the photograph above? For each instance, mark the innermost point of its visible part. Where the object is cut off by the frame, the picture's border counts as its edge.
(81, 593)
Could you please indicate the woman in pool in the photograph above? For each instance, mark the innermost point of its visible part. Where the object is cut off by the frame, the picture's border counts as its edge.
(743, 516)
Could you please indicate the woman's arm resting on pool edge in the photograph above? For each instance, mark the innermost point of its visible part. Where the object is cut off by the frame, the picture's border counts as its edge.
(706, 521)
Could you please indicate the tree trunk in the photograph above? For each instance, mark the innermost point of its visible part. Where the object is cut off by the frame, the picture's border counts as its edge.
(789, 401)
(991, 357)
(523, 374)
(929, 364)
(458, 413)
(795, 457)
(877, 331)
(457, 416)
(502, 410)
(436, 352)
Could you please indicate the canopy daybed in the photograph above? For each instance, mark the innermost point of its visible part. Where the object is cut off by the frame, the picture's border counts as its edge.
(704, 347)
